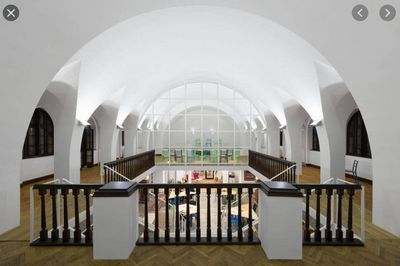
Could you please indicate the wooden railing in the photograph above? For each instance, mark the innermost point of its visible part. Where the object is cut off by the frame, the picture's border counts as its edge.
(187, 218)
(69, 231)
(273, 167)
(325, 229)
(128, 168)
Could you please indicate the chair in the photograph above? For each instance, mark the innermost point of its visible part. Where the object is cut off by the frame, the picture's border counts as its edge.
(213, 156)
(178, 154)
(230, 154)
(172, 154)
(353, 171)
(223, 155)
(190, 156)
(236, 154)
(165, 154)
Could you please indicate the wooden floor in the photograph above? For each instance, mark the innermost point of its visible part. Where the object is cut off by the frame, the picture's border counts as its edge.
(381, 248)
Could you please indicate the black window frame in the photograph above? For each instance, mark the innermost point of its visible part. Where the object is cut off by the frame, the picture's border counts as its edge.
(39, 139)
(315, 140)
(357, 142)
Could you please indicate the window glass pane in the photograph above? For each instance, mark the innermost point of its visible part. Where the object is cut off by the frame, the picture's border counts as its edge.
(178, 122)
(178, 139)
(193, 139)
(210, 123)
(225, 122)
(226, 139)
(242, 139)
(193, 123)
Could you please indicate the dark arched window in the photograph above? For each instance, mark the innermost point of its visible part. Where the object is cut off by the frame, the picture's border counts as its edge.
(357, 137)
(281, 138)
(315, 140)
(39, 140)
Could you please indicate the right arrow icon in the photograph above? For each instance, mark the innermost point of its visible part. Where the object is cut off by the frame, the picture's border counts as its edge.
(387, 12)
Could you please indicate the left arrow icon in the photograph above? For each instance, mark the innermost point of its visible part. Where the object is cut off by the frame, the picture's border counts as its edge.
(360, 12)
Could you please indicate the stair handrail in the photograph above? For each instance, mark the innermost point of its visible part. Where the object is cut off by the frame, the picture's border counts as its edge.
(284, 171)
(121, 175)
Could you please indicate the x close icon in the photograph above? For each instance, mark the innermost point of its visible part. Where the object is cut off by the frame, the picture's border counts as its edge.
(11, 12)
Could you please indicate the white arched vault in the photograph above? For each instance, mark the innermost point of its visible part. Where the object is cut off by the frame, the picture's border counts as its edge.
(155, 50)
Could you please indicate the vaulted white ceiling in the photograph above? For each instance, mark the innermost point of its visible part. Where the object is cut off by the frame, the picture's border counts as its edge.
(147, 54)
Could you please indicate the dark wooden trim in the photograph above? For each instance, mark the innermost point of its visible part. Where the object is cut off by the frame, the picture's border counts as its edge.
(327, 186)
(60, 242)
(313, 165)
(202, 241)
(116, 189)
(362, 179)
(36, 180)
(281, 189)
(333, 242)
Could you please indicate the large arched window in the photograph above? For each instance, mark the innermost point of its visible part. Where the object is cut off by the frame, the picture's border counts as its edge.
(357, 137)
(39, 140)
(315, 140)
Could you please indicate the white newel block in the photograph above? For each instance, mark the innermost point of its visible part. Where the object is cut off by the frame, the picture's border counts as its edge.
(280, 228)
(115, 227)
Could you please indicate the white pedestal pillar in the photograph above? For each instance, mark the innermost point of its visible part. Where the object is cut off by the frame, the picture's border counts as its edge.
(115, 227)
(280, 227)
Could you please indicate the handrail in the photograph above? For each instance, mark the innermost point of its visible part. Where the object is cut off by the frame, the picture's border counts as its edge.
(182, 186)
(66, 181)
(284, 171)
(129, 168)
(273, 167)
(131, 157)
(121, 175)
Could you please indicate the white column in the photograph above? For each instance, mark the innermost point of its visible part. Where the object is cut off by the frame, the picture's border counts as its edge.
(337, 105)
(295, 118)
(115, 239)
(60, 99)
(106, 116)
(273, 133)
(280, 225)
(130, 127)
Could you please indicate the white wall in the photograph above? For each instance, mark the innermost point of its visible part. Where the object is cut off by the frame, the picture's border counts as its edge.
(364, 164)
(36, 167)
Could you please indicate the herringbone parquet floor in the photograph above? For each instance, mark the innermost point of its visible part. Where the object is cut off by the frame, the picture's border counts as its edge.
(381, 248)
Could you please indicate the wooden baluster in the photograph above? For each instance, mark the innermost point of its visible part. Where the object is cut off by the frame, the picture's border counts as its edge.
(156, 225)
(77, 232)
(339, 232)
(307, 236)
(208, 215)
(328, 230)
(198, 232)
(88, 232)
(66, 231)
(349, 231)
(54, 231)
(219, 231)
(240, 231)
(43, 231)
(229, 231)
(188, 218)
(250, 231)
(146, 215)
(317, 233)
(166, 192)
(177, 214)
